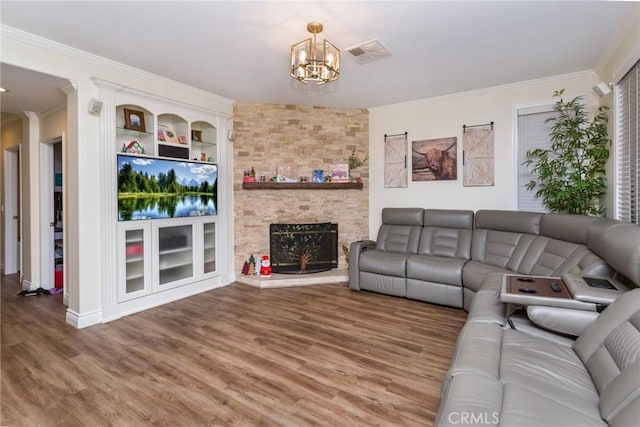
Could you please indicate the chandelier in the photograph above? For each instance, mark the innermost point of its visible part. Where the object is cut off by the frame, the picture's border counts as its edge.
(313, 62)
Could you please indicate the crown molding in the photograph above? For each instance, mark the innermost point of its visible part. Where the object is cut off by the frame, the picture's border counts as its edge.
(493, 89)
(99, 61)
(628, 28)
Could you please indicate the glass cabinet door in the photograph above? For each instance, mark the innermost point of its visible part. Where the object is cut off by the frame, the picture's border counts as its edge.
(209, 247)
(134, 260)
(175, 253)
(134, 276)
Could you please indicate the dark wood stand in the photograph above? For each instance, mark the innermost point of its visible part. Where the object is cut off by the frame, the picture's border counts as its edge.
(302, 185)
(536, 286)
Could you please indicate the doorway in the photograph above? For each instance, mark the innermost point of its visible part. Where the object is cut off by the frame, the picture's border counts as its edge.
(12, 250)
(52, 226)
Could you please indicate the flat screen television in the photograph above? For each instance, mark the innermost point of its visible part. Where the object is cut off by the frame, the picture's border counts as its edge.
(152, 188)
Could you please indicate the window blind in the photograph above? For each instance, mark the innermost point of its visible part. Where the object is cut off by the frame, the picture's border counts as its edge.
(533, 132)
(628, 147)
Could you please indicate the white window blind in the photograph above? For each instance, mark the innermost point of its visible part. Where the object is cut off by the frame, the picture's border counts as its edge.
(533, 132)
(628, 147)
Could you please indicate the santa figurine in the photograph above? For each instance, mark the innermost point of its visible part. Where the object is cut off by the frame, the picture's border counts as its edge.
(265, 266)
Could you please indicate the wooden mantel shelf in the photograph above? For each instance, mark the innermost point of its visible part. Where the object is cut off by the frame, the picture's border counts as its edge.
(302, 185)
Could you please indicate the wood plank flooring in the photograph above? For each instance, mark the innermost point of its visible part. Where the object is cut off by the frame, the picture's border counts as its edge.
(314, 355)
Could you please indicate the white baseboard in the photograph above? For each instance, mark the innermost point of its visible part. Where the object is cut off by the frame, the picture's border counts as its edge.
(84, 320)
(30, 286)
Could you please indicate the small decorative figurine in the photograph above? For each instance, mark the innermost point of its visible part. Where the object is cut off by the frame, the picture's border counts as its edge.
(265, 266)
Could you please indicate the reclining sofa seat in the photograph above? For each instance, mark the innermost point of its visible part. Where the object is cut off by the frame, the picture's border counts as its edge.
(529, 243)
(435, 273)
(529, 376)
(418, 254)
(381, 266)
(513, 378)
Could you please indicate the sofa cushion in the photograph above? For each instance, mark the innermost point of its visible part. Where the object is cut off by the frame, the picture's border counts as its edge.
(547, 368)
(400, 230)
(389, 285)
(551, 257)
(486, 305)
(448, 218)
(500, 248)
(445, 242)
(610, 349)
(470, 399)
(436, 269)
(537, 381)
(617, 243)
(475, 273)
(511, 221)
(403, 216)
(478, 350)
(383, 262)
(523, 407)
(435, 293)
(570, 228)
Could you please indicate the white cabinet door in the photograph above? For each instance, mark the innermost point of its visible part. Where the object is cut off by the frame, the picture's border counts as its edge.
(174, 260)
(209, 248)
(134, 272)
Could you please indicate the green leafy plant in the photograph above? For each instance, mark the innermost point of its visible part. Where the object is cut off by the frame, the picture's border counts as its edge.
(570, 176)
(355, 162)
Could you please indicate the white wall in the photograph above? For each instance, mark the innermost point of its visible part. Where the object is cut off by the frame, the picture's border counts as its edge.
(84, 213)
(621, 55)
(53, 122)
(444, 117)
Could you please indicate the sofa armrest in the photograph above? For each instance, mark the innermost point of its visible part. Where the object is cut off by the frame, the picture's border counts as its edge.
(355, 249)
(563, 320)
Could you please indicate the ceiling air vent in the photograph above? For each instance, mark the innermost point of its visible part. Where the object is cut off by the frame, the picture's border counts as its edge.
(369, 51)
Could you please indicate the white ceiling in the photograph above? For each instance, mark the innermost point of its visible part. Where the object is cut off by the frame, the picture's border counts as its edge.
(240, 49)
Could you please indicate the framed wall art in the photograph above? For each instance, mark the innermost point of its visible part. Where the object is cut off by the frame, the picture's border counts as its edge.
(395, 161)
(134, 120)
(434, 159)
(477, 155)
(196, 135)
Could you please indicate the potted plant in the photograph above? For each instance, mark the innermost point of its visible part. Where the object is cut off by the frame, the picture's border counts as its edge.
(355, 162)
(570, 176)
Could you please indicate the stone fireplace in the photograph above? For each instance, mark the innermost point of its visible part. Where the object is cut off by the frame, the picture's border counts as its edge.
(310, 138)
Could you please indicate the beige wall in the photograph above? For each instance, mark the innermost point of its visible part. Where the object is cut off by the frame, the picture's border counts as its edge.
(310, 138)
(444, 117)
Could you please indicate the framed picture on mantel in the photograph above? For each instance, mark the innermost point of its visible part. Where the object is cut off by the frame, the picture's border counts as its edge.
(134, 120)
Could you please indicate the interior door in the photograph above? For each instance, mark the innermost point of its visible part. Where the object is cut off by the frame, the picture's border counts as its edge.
(51, 249)
(12, 211)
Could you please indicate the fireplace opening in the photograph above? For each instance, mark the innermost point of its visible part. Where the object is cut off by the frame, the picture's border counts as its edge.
(303, 248)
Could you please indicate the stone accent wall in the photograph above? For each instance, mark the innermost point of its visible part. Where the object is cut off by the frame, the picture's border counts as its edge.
(309, 138)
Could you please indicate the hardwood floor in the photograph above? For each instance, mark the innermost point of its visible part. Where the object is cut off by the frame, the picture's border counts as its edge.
(314, 355)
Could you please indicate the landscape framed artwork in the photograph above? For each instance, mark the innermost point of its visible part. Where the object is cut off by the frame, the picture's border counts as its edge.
(434, 159)
(134, 120)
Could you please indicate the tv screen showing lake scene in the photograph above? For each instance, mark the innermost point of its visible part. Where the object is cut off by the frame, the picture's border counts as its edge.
(151, 188)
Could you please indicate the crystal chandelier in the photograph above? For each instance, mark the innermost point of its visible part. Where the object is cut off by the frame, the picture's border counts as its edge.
(315, 62)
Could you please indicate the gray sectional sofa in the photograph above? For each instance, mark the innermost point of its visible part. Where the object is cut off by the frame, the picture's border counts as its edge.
(444, 256)
(512, 365)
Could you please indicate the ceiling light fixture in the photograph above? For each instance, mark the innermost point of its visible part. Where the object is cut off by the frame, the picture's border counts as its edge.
(313, 62)
(3, 90)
